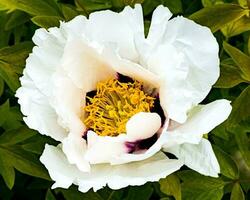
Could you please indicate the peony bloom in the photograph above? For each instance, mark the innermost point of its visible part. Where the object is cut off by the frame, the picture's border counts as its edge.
(116, 101)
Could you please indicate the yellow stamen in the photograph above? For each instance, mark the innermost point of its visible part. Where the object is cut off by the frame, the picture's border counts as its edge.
(112, 106)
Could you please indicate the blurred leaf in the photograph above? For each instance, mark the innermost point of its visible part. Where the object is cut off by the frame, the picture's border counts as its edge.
(148, 6)
(7, 172)
(240, 59)
(218, 16)
(16, 54)
(73, 194)
(36, 143)
(230, 75)
(1, 86)
(240, 114)
(220, 131)
(198, 187)
(239, 123)
(47, 21)
(207, 3)
(174, 6)
(237, 193)
(243, 144)
(92, 5)
(171, 186)
(144, 192)
(49, 195)
(227, 165)
(248, 45)
(34, 7)
(16, 18)
(23, 161)
(243, 3)
(12, 60)
(69, 12)
(15, 136)
(236, 27)
(9, 76)
(10, 117)
(4, 35)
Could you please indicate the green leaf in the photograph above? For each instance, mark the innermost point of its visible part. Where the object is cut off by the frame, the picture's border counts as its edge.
(73, 194)
(240, 59)
(49, 195)
(16, 54)
(208, 3)
(237, 193)
(218, 16)
(174, 6)
(7, 172)
(69, 12)
(243, 144)
(236, 27)
(240, 114)
(12, 60)
(16, 136)
(171, 186)
(148, 6)
(230, 75)
(198, 187)
(36, 143)
(16, 18)
(34, 7)
(243, 3)
(9, 75)
(88, 6)
(220, 131)
(143, 192)
(23, 161)
(1, 86)
(47, 21)
(239, 123)
(10, 117)
(227, 165)
(4, 35)
(248, 45)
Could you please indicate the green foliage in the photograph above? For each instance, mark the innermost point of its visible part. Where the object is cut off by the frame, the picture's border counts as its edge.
(171, 186)
(217, 16)
(237, 193)
(198, 187)
(22, 176)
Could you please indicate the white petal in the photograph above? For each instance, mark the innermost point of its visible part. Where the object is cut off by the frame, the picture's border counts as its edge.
(68, 101)
(84, 65)
(39, 114)
(160, 18)
(185, 56)
(114, 150)
(132, 157)
(143, 125)
(45, 58)
(116, 177)
(118, 28)
(201, 119)
(75, 148)
(75, 28)
(102, 149)
(130, 69)
(199, 157)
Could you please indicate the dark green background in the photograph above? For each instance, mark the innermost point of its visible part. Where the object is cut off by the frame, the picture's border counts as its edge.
(23, 176)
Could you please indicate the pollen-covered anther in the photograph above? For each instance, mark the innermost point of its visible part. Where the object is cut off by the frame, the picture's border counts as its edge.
(114, 104)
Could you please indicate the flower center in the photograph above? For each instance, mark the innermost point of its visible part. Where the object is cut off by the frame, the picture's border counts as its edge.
(114, 104)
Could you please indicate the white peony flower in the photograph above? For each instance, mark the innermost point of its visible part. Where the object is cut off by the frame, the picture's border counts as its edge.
(117, 100)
